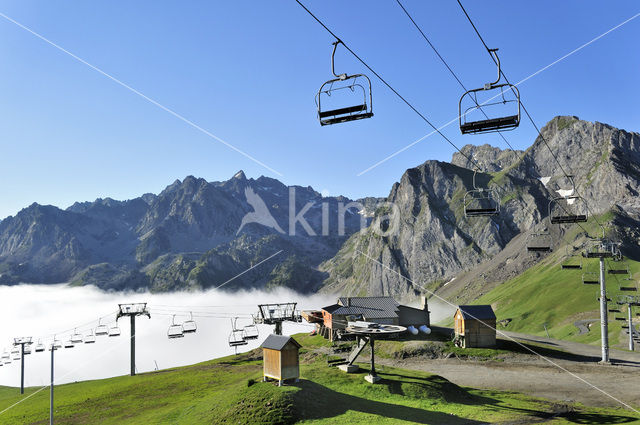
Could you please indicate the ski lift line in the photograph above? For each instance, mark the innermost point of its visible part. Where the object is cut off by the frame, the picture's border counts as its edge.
(81, 366)
(522, 104)
(250, 268)
(504, 335)
(82, 327)
(478, 106)
(402, 98)
(142, 95)
(392, 89)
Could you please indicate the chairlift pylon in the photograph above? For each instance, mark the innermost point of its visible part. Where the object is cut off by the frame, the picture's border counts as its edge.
(469, 107)
(344, 86)
(480, 202)
(175, 330)
(189, 326)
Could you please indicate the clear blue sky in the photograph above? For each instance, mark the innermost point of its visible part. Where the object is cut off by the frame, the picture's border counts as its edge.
(247, 71)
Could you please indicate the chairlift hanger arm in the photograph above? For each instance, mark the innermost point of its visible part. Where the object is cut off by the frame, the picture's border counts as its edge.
(333, 54)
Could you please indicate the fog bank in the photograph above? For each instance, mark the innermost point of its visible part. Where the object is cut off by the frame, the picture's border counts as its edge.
(42, 310)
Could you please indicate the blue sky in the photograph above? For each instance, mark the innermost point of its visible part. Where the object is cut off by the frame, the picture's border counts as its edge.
(247, 71)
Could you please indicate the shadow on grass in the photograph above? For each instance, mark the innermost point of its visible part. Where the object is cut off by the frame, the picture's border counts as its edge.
(522, 347)
(316, 401)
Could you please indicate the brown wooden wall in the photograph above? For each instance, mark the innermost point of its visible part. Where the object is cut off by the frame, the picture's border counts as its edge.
(281, 364)
(271, 361)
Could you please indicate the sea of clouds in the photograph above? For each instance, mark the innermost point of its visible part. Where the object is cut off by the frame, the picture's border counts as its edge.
(40, 311)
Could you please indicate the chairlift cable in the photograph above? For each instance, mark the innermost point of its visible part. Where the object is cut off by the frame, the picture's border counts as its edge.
(535, 126)
(452, 72)
(413, 108)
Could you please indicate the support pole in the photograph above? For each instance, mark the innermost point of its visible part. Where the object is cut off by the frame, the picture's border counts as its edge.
(133, 345)
(51, 391)
(22, 368)
(278, 328)
(604, 324)
(630, 327)
(373, 359)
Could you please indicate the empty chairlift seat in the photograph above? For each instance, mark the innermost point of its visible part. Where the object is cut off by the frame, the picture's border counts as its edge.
(90, 338)
(250, 332)
(189, 326)
(101, 329)
(344, 98)
(114, 330)
(175, 330)
(480, 202)
(494, 107)
(590, 278)
(539, 242)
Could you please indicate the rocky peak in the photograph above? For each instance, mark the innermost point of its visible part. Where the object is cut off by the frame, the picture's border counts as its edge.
(489, 158)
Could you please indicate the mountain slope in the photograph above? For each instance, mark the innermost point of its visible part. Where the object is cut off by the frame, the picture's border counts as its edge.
(435, 243)
(194, 234)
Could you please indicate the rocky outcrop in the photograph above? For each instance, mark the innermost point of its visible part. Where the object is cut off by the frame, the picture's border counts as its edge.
(435, 243)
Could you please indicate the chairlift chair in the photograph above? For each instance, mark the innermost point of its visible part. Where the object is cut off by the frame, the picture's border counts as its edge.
(69, 344)
(599, 248)
(114, 330)
(590, 278)
(570, 261)
(90, 338)
(236, 337)
(16, 354)
(480, 202)
(339, 92)
(56, 343)
(250, 332)
(540, 242)
(504, 112)
(76, 337)
(189, 326)
(27, 349)
(175, 330)
(568, 209)
(101, 329)
(39, 347)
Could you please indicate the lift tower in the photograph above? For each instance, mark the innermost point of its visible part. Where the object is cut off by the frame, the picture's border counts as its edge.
(133, 310)
(275, 314)
(22, 342)
(601, 249)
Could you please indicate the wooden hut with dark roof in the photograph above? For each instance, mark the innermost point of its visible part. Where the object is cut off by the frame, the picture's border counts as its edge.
(475, 326)
(280, 358)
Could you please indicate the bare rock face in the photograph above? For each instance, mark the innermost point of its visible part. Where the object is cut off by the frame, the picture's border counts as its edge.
(435, 243)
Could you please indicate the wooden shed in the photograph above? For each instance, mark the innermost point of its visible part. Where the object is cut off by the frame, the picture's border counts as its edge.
(475, 326)
(280, 358)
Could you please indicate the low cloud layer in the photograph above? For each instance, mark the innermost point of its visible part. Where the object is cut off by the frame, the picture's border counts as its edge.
(42, 310)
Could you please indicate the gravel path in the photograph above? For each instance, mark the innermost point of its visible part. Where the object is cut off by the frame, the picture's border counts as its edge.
(563, 380)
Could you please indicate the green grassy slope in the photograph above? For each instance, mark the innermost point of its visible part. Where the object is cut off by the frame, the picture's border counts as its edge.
(547, 294)
(230, 390)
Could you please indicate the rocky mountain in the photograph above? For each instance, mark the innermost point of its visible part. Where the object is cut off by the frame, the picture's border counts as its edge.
(195, 234)
(438, 248)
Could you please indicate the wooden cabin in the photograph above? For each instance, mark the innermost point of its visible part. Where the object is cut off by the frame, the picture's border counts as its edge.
(383, 310)
(280, 358)
(475, 326)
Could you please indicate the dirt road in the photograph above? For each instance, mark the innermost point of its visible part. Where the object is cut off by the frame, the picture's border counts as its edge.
(580, 379)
